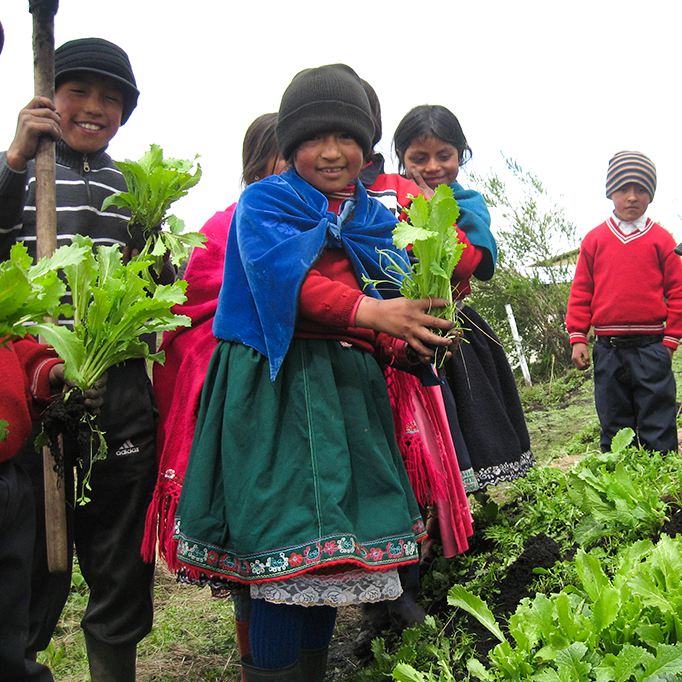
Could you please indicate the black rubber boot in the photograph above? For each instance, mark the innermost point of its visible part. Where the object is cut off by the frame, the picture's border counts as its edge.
(404, 611)
(253, 674)
(313, 663)
(111, 662)
(375, 618)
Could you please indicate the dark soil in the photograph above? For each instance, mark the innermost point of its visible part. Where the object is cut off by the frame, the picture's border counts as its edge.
(673, 526)
(66, 417)
(539, 551)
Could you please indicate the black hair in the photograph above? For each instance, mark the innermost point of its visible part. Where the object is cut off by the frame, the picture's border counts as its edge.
(260, 146)
(429, 120)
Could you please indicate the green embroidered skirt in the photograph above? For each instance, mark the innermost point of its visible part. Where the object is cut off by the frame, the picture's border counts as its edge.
(298, 474)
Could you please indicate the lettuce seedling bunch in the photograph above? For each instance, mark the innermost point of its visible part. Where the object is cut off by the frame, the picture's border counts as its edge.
(154, 183)
(114, 305)
(430, 231)
(30, 293)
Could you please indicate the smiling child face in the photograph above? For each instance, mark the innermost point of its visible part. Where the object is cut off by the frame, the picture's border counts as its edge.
(90, 107)
(435, 160)
(329, 161)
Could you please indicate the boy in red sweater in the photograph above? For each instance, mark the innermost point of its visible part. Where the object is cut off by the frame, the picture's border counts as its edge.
(628, 286)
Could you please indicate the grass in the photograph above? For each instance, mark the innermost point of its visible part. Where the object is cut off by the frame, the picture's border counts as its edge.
(193, 638)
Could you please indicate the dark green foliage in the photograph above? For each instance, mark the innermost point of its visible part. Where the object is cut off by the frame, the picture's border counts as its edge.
(537, 247)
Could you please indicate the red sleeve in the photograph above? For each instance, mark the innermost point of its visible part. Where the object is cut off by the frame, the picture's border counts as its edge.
(327, 301)
(672, 291)
(579, 311)
(470, 260)
(393, 352)
(24, 364)
(37, 360)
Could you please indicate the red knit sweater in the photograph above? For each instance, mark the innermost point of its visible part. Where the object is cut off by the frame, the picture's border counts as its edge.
(626, 285)
(328, 300)
(25, 389)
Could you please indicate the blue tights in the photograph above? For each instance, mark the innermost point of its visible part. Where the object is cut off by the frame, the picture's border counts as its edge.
(278, 632)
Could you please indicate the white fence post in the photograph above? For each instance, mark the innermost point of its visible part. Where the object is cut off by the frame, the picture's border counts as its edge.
(519, 347)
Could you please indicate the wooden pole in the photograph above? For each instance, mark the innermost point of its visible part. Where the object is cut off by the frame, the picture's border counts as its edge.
(43, 12)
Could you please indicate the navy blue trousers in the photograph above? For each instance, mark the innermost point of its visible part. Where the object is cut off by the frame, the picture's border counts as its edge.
(635, 387)
(17, 531)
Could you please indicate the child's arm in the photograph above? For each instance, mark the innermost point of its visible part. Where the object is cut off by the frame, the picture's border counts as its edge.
(579, 311)
(38, 118)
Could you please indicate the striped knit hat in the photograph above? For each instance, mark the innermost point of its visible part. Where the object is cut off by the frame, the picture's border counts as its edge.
(627, 167)
(96, 55)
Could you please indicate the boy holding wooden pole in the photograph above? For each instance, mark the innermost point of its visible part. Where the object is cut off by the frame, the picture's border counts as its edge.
(95, 94)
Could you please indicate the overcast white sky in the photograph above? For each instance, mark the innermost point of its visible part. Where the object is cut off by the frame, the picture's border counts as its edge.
(560, 87)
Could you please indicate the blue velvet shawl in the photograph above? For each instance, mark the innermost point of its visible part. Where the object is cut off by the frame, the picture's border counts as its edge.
(281, 226)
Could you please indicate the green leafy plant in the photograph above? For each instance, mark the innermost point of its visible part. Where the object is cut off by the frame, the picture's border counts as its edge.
(612, 499)
(154, 183)
(114, 305)
(622, 628)
(30, 293)
(436, 249)
(426, 647)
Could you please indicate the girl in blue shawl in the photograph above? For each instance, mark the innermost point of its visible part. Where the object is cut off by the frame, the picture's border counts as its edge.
(480, 388)
(295, 485)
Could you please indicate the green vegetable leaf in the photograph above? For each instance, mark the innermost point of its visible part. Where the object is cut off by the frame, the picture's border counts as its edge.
(458, 596)
(622, 440)
(114, 305)
(30, 293)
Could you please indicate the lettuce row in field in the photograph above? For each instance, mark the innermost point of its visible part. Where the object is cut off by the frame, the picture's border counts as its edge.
(154, 183)
(613, 497)
(627, 627)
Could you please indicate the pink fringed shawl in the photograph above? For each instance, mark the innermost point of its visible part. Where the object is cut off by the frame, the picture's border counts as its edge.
(179, 381)
(426, 445)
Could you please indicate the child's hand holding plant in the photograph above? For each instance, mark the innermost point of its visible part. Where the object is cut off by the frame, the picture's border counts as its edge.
(409, 320)
(437, 250)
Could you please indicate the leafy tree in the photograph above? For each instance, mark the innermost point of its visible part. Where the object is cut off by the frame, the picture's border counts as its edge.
(538, 249)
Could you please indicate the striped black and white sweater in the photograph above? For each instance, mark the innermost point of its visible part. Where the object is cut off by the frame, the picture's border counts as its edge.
(83, 182)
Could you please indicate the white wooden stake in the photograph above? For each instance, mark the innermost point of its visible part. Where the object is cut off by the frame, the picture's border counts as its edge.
(517, 342)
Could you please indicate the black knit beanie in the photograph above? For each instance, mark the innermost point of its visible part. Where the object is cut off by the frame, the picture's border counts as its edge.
(627, 167)
(326, 99)
(95, 55)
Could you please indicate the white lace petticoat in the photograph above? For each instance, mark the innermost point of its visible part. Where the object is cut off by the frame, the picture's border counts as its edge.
(335, 589)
